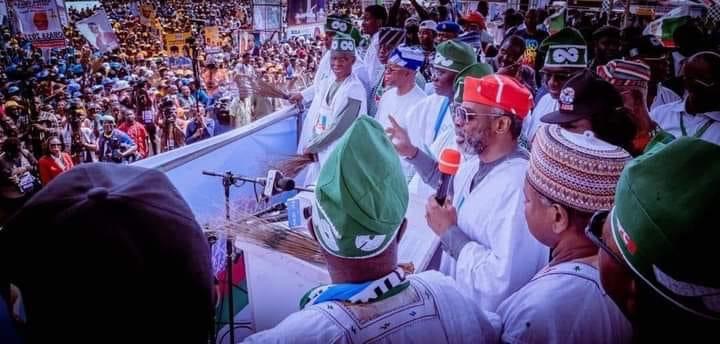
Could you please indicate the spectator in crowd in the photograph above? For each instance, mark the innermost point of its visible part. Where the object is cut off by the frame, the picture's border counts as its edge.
(54, 162)
(114, 145)
(200, 127)
(606, 45)
(697, 115)
(136, 131)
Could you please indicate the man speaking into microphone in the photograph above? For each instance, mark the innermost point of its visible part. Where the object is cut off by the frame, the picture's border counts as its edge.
(486, 245)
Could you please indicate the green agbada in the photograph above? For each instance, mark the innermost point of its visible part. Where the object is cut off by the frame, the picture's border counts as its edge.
(361, 194)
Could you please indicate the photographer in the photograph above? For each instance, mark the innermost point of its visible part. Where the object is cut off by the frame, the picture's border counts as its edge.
(143, 104)
(18, 179)
(114, 145)
(171, 136)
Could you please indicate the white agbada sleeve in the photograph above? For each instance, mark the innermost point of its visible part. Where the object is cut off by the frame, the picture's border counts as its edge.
(309, 326)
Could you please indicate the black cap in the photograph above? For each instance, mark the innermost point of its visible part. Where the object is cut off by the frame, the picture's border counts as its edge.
(583, 96)
(647, 46)
(106, 244)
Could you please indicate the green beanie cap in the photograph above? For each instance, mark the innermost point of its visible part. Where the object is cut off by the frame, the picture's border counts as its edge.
(454, 56)
(664, 222)
(361, 196)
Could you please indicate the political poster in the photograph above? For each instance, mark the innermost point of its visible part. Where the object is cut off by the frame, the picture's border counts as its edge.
(39, 22)
(267, 16)
(213, 40)
(304, 12)
(62, 12)
(175, 43)
(98, 31)
(147, 14)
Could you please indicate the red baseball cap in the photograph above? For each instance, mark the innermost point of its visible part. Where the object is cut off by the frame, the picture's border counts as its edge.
(476, 18)
(499, 91)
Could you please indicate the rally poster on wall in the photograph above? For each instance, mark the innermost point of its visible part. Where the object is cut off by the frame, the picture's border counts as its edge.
(98, 31)
(176, 42)
(39, 22)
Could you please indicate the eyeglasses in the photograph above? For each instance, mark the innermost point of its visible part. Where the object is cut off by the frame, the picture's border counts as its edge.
(594, 232)
(463, 114)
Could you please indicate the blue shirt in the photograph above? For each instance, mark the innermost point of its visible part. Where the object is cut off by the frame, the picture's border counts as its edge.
(105, 146)
(192, 127)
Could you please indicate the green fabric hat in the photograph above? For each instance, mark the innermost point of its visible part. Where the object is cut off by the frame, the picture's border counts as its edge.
(565, 49)
(664, 222)
(344, 44)
(454, 56)
(338, 24)
(361, 194)
(477, 70)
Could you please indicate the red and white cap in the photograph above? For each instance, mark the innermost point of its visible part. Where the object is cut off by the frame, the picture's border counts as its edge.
(499, 91)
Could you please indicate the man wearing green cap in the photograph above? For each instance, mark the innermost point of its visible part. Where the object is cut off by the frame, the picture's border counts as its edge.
(658, 244)
(338, 104)
(358, 220)
(431, 126)
(565, 55)
(335, 25)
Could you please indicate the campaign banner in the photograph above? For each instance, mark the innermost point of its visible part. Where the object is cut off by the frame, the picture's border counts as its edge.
(98, 31)
(303, 12)
(62, 12)
(176, 42)
(267, 15)
(39, 22)
(3, 12)
(309, 30)
(212, 37)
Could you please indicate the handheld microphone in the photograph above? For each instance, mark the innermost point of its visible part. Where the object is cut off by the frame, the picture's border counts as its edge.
(448, 166)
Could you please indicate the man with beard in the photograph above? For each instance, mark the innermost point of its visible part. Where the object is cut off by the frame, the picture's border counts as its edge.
(486, 244)
(657, 242)
(566, 55)
(699, 113)
(431, 128)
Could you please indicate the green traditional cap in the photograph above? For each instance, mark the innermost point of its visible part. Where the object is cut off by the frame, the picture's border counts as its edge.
(664, 222)
(338, 24)
(343, 44)
(454, 56)
(477, 70)
(565, 49)
(361, 195)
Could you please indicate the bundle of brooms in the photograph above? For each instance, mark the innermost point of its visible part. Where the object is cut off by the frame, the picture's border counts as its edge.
(254, 230)
(256, 86)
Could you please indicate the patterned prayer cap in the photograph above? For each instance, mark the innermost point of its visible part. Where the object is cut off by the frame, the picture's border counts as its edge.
(625, 73)
(391, 37)
(565, 49)
(575, 170)
(454, 56)
(338, 24)
(343, 44)
(407, 57)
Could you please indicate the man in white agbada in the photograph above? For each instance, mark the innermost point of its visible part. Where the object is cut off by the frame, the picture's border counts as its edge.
(334, 25)
(571, 177)
(359, 219)
(431, 128)
(698, 115)
(485, 241)
(403, 92)
(333, 110)
(566, 55)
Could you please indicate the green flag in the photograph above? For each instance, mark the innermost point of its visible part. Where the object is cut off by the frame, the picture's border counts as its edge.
(555, 22)
(664, 27)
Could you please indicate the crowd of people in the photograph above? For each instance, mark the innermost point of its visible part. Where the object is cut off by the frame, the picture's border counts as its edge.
(585, 162)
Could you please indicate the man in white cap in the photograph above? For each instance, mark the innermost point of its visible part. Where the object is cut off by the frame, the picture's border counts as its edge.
(427, 33)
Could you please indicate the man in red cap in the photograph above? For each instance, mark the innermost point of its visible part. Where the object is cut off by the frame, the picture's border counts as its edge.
(486, 245)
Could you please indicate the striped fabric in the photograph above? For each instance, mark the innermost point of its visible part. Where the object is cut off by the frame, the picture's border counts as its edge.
(472, 39)
(625, 73)
(575, 170)
(391, 37)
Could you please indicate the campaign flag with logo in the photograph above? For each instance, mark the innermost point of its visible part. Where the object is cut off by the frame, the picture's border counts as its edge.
(664, 27)
(98, 31)
(555, 22)
(39, 22)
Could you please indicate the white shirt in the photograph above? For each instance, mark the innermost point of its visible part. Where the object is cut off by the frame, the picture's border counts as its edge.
(502, 256)
(664, 96)
(430, 310)
(668, 118)
(532, 123)
(324, 73)
(563, 304)
(399, 107)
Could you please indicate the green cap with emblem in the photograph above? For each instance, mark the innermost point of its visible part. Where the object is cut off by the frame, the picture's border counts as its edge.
(664, 222)
(361, 195)
(565, 49)
(338, 24)
(343, 44)
(477, 70)
(454, 56)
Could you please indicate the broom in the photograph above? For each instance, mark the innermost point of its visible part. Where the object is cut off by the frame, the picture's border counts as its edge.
(257, 86)
(293, 165)
(254, 230)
